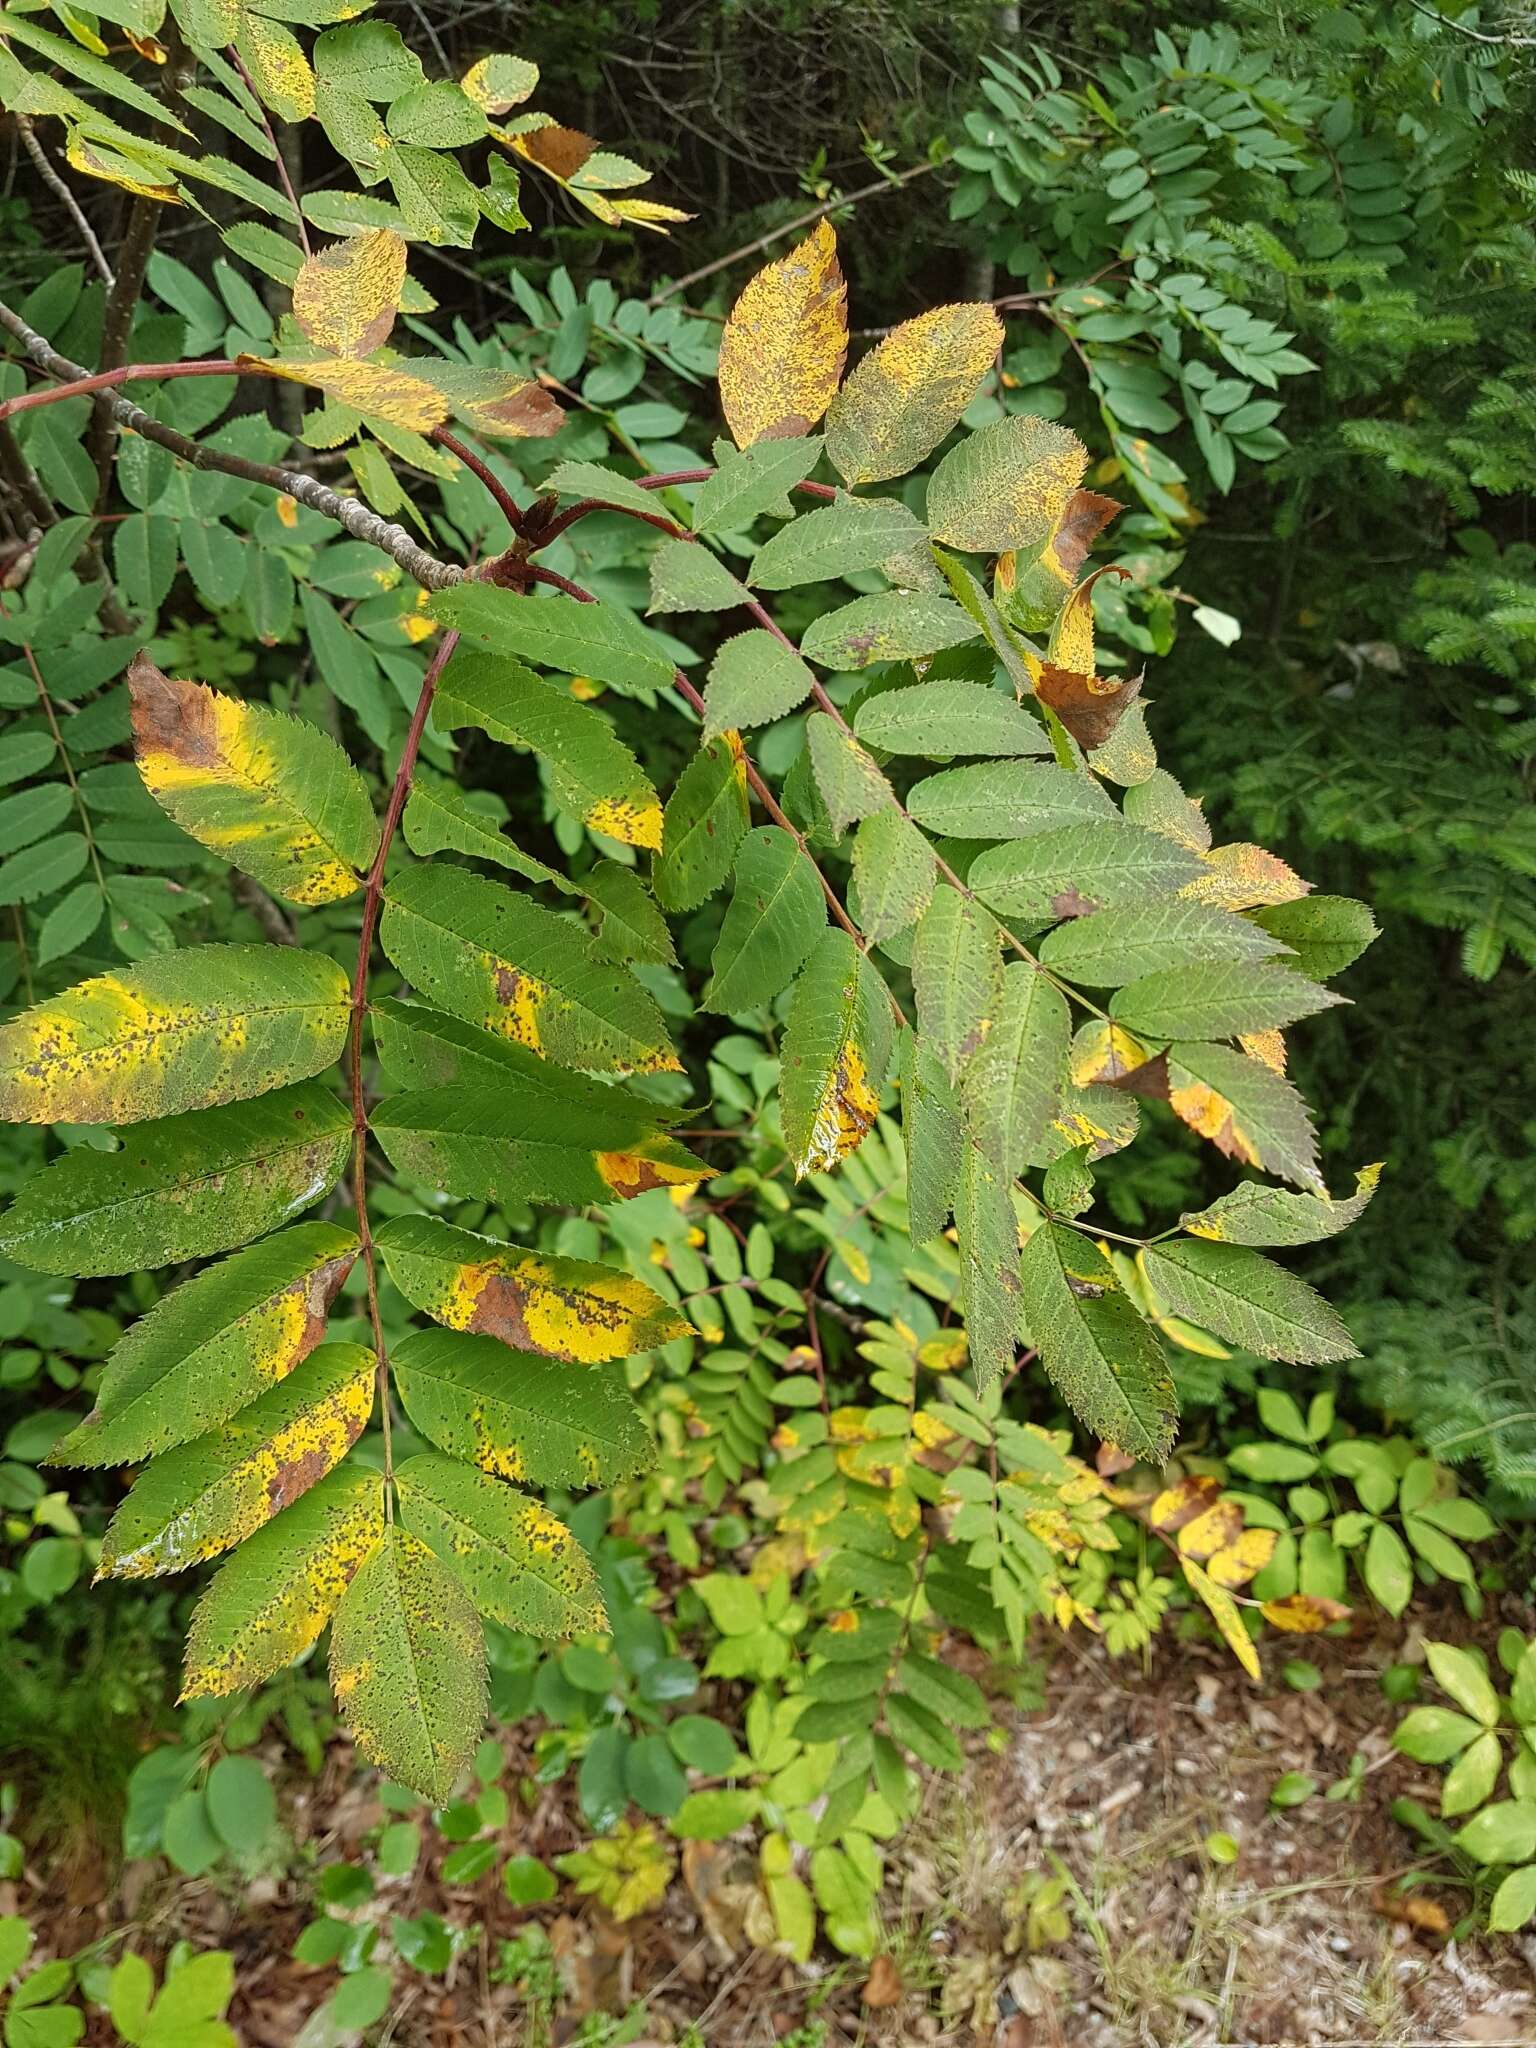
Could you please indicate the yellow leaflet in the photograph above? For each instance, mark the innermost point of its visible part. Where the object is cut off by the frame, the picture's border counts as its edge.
(907, 393)
(784, 345)
(1211, 1530)
(1225, 1614)
(655, 1164)
(1268, 1046)
(1072, 637)
(631, 823)
(564, 1308)
(1245, 877)
(1304, 1614)
(847, 1109)
(1214, 1117)
(1243, 1558)
(278, 66)
(1102, 1051)
(374, 388)
(110, 165)
(271, 1601)
(345, 298)
(1183, 1502)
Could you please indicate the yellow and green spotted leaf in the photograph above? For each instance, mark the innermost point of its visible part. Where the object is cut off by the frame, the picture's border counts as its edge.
(345, 299)
(176, 1032)
(706, 816)
(1005, 486)
(182, 1188)
(511, 967)
(202, 1497)
(908, 392)
(836, 1048)
(408, 1666)
(1255, 1214)
(592, 773)
(272, 795)
(517, 1416)
(268, 1604)
(784, 344)
(534, 1301)
(519, 1563)
(212, 1345)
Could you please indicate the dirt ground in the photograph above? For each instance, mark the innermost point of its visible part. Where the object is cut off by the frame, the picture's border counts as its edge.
(1114, 1785)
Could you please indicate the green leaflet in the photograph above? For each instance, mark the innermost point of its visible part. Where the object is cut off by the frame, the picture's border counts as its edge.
(775, 916)
(1326, 933)
(631, 927)
(183, 1188)
(518, 1562)
(519, 1144)
(211, 1345)
(593, 774)
(1011, 799)
(1255, 1214)
(1248, 1111)
(274, 1596)
(705, 818)
(521, 1417)
(423, 1048)
(686, 577)
(933, 719)
(837, 1046)
(932, 1135)
(184, 1031)
(895, 625)
(408, 1666)
(957, 976)
(753, 680)
(499, 961)
(751, 481)
(1114, 947)
(440, 817)
(271, 794)
(1217, 1001)
(851, 785)
(202, 1497)
(534, 1301)
(894, 873)
(1104, 1360)
(575, 639)
(835, 540)
(592, 480)
(1246, 1299)
(987, 1233)
(1160, 805)
(1005, 486)
(1013, 1089)
(1079, 869)
(974, 601)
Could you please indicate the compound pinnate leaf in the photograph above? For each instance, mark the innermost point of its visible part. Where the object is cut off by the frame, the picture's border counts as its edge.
(1248, 1300)
(999, 799)
(1105, 1361)
(593, 774)
(520, 1417)
(519, 1563)
(408, 1666)
(907, 393)
(753, 679)
(179, 1032)
(958, 718)
(562, 1308)
(211, 1345)
(268, 1604)
(1255, 1214)
(775, 916)
(1114, 947)
(703, 824)
(202, 1497)
(595, 640)
(345, 299)
(523, 1144)
(1005, 486)
(1246, 1109)
(1217, 1000)
(896, 625)
(273, 796)
(499, 961)
(784, 344)
(836, 1049)
(182, 1188)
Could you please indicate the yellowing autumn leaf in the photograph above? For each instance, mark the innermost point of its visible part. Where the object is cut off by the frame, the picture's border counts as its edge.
(498, 84)
(784, 345)
(1243, 1558)
(908, 392)
(1304, 1614)
(1224, 1612)
(345, 298)
(1245, 877)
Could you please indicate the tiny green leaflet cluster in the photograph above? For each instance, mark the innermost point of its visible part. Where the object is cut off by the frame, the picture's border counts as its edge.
(186, 2010)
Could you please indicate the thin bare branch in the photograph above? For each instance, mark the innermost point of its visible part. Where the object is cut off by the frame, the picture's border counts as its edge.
(50, 176)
